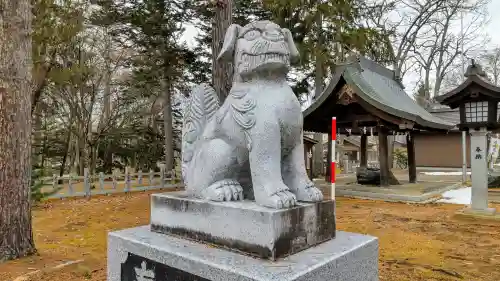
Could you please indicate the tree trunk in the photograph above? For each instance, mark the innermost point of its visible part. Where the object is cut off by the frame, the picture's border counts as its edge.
(66, 152)
(106, 112)
(318, 79)
(70, 154)
(93, 149)
(167, 123)
(37, 138)
(437, 86)
(82, 154)
(76, 155)
(104, 121)
(83, 157)
(73, 154)
(222, 72)
(16, 235)
(108, 160)
(317, 166)
(133, 163)
(427, 86)
(45, 141)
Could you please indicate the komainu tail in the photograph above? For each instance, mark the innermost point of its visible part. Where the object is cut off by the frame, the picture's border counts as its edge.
(199, 109)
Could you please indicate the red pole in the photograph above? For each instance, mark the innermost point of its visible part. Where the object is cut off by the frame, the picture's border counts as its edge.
(332, 166)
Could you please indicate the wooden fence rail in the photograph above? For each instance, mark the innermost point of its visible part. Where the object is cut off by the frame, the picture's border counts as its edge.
(101, 184)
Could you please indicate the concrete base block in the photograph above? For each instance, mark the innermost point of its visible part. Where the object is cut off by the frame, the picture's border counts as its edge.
(244, 226)
(479, 212)
(488, 211)
(392, 197)
(138, 254)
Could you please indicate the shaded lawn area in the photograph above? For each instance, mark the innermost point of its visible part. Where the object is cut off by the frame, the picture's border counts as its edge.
(416, 242)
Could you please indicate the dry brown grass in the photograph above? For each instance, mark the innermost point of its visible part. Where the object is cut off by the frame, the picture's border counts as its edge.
(416, 242)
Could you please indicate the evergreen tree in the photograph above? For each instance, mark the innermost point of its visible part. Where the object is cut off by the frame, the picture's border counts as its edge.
(153, 28)
(56, 23)
(204, 12)
(342, 31)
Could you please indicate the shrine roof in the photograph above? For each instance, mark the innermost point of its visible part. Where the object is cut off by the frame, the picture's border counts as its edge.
(377, 86)
(475, 76)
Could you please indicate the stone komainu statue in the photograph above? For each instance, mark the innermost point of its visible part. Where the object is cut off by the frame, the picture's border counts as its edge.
(252, 146)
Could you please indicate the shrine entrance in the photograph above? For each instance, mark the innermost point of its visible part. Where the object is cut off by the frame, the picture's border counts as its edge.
(368, 100)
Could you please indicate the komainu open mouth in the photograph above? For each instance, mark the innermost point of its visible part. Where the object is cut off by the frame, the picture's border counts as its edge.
(264, 59)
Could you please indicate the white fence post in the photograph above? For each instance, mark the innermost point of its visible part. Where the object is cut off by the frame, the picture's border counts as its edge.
(139, 177)
(86, 182)
(113, 178)
(101, 181)
(162, 176)
(89, 182)
(127, 179)
(54, 181)
(70, 184)
(151, 177)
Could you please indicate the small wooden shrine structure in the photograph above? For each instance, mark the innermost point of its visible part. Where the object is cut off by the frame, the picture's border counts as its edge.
(368, 99)
(477, 99)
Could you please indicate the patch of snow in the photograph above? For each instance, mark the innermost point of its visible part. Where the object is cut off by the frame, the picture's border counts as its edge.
(444, 173)
(460, 196)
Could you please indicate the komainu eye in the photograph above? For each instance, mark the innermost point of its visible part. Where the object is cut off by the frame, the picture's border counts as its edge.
(252, 35)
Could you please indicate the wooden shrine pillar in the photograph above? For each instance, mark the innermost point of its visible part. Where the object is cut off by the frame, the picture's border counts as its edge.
(328, 156)
(318, 165)
(412, 166)
(383, 156)
(363, 150)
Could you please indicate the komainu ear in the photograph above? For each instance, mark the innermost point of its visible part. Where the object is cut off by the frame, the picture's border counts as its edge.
(229, 43)
(294, 53)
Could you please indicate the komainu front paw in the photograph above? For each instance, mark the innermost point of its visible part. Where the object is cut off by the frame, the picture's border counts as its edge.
(307, 192)
(224, 190)
(280, 200)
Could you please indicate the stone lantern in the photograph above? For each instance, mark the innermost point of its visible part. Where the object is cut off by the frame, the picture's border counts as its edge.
(477, 99)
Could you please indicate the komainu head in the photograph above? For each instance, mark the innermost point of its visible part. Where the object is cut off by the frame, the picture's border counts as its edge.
(259, 47)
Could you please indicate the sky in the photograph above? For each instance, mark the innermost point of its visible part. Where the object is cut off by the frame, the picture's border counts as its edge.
(492, 29)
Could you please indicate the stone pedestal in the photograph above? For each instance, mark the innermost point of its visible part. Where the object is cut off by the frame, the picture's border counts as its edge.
(243, 225)
(479, 171)
(196, 240)
(137, 254)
